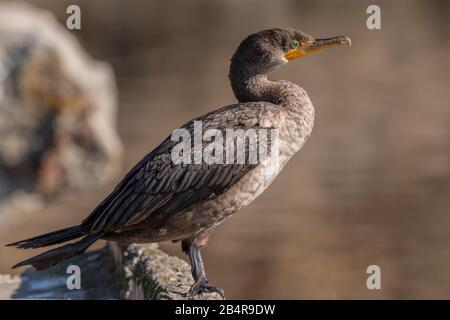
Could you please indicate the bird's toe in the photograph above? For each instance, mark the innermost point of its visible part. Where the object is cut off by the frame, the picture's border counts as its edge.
(202, 286)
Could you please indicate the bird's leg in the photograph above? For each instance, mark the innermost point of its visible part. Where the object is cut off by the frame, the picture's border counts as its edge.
(198, 271)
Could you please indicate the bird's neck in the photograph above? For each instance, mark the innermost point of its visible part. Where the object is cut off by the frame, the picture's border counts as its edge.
(260, 88)
(285, 95)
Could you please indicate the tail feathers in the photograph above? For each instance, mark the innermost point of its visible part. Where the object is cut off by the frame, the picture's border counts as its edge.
(50, 258)
(50, 238)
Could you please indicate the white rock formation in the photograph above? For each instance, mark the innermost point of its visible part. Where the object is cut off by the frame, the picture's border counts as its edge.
(57, 108)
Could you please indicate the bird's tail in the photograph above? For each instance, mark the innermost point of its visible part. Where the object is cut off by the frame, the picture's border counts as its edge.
(50, 238)
(54, 256)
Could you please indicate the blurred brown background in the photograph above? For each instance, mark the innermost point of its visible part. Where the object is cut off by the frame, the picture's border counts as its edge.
(371, 186)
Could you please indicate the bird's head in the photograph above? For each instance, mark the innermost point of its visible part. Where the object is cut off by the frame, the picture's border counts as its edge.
(266, 50)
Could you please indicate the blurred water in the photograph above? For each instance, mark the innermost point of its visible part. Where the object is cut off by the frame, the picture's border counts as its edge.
(370, 187)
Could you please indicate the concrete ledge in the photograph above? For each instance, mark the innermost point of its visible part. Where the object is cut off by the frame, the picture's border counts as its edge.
(152, 274)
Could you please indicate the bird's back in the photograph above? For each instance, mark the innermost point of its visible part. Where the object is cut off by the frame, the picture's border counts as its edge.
(156, 193)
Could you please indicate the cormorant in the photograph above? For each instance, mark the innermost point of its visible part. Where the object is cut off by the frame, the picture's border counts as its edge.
(161, 200)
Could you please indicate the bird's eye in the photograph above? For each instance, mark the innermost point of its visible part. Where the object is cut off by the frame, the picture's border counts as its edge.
(294, 44)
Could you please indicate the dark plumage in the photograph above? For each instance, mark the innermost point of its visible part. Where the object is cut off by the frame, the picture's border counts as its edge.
(159, 200)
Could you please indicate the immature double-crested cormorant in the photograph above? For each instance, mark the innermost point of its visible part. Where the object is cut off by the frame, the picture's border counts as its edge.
(161, 200)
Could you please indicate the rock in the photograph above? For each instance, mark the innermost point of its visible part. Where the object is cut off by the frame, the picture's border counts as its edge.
(57, 108)
(152, 274)
(98, 280)
(8, 285)
(137, 272)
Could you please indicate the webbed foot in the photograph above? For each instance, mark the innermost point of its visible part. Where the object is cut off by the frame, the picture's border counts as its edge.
(202, 286)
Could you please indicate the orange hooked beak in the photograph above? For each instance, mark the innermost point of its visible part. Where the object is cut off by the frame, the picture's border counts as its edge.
(309, 46)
